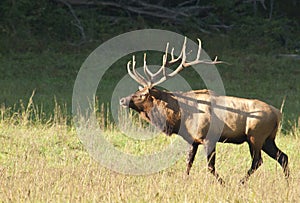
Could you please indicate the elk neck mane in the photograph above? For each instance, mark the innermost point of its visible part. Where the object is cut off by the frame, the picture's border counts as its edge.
(165, 112)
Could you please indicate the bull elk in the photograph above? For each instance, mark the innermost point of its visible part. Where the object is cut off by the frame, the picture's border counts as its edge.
(192, 114)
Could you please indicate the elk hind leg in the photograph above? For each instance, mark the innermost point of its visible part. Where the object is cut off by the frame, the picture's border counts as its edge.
(191, 156)
(273, 151)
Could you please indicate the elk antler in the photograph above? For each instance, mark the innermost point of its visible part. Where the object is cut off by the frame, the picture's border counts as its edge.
(135, 75)
(153, 79)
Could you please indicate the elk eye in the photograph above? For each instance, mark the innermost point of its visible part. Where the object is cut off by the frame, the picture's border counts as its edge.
(139, 97)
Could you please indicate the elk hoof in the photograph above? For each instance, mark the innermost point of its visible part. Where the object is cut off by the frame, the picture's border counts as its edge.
(188, 171)
(221, 181)
(244, 180)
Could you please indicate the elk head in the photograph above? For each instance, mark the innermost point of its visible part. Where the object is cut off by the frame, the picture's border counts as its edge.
(138, 101)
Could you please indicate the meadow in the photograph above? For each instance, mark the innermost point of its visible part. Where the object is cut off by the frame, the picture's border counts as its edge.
(42, 159)
(47, 162)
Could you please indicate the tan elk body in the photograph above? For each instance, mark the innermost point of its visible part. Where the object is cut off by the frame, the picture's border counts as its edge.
(202, 117)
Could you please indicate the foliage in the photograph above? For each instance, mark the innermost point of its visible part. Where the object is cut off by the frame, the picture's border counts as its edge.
(53, 20)
(35, 18)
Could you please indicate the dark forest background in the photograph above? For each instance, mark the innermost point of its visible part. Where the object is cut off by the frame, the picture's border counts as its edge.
(26, 24)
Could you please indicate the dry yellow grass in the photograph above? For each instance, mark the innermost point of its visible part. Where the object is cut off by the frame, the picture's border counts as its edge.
(40, 163)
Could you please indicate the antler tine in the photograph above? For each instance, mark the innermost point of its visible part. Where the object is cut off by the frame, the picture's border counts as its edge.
(152, 76)
(198, 61)
(182, 56)
(179, 68)
(199, 49)
(134, 71)
(173, 60)
(162, 68)
(164, 63)
(166, 55)
(172, 54)
(147, 83)
(147, 72)
(134, 74)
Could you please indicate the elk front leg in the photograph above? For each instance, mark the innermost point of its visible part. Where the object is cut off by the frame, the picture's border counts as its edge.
(211, 158)
(191, 157)
(256, 160)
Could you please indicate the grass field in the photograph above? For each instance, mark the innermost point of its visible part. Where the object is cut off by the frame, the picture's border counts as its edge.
(42, 163)
(45, 161)
(42, 159)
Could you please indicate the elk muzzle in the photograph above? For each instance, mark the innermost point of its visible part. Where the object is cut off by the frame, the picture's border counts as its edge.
(124, 102)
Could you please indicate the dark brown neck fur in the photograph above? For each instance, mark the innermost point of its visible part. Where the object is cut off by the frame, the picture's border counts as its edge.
(164, 113)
